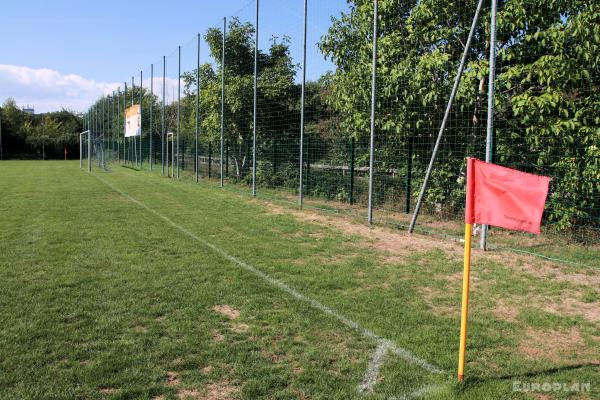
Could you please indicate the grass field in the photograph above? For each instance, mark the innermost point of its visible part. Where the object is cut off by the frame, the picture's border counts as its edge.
(123, 284)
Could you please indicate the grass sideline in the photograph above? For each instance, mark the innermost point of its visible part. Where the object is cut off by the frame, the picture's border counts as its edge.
(103, 299)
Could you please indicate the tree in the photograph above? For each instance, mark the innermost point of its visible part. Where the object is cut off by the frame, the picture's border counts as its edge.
(275, 88)
(547, 92)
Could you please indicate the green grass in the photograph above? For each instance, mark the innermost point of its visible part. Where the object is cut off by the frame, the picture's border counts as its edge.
(103, 298)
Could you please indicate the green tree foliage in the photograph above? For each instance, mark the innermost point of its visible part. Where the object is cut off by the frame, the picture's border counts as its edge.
(278, 95)
(50, 135)
(547, 99)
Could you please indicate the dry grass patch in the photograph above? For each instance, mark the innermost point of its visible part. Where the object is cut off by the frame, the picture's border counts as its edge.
(188, 394)
(217, 336)
(553, 345)
(391, 241)
(221, 390)
(431, 296)
(573, 307)
(227, 311)
(506, 311)
(207, 370)
(172, 379)
(240, 328)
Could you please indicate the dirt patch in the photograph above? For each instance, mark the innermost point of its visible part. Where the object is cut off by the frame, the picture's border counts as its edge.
(398, 245)
(541, 269)
(552, 345)
(573, 307)
(221, 390)
(505, 311)
(217, 336)
(189, 394)
(227, 311)
(172, 379)
(274, 358)
(431, 297)
(548, 270)
(393, 242)
(206, 370)
(240, 328)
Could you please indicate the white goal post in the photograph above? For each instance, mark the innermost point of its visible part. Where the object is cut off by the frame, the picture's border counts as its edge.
(89, 150)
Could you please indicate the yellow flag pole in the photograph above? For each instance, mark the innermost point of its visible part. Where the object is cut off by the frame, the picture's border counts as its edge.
(465, 303)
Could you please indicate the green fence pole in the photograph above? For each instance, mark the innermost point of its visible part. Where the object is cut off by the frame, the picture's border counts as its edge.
(223, 98)
(196, 162)
(227, 158)
(409, 167)
(141, 119)
(119, 126)
(162, 117)
(255, 103)
(351, 189)
(302, 102)
(178, 109)
(151, 130)
(209, 159)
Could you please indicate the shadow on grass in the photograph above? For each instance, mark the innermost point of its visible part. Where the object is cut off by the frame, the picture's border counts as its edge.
(473, 382)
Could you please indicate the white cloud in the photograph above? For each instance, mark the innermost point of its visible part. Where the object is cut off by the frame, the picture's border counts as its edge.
(49, 90)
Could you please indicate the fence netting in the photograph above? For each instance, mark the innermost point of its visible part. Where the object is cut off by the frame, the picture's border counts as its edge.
(545, 119)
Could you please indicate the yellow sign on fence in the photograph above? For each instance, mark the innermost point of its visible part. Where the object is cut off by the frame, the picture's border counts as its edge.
(133, 121)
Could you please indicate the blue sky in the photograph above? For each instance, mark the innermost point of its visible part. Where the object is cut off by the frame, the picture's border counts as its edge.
(65, 53)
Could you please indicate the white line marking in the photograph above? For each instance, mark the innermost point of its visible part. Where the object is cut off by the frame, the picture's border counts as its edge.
(384, 345)
(372, 372)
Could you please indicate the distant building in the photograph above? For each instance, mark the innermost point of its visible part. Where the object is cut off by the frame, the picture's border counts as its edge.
(29, 109)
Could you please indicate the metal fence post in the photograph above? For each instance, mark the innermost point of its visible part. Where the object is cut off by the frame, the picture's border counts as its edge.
(178, 108)
(373, 107)
(227, 158)
(255, 102)
(445, 119)
(119, 126)
(125, 152)
(302, 101)
(126, 142)
(81, 148)
(490, 112)
(109, 127)
(223, 98)
(89, 150)
(409, 167)
(196, 162)
(134, 155)
(162, 117)
(151, 130)
(209, 159)
(114, 125)
(351, 189)
(101, 144)
(141, 119)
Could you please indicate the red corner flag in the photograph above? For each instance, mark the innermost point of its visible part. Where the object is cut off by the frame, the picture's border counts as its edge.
(504, 197)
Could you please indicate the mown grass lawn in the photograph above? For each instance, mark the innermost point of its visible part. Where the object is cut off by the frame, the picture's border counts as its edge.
(127, 285)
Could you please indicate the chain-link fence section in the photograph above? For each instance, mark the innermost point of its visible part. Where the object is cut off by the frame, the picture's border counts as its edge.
(293, 115)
